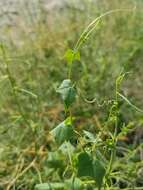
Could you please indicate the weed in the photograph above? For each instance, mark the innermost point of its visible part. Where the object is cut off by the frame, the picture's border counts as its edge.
(91, 165)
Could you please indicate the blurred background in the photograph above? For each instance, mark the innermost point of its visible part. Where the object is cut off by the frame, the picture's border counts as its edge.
(35, 35)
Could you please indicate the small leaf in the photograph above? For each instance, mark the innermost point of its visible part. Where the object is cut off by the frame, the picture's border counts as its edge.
(63, 132)
(84, 165)
(49, 186)
(89, 136)
(99, 172)
(67, 92)
(71, 55)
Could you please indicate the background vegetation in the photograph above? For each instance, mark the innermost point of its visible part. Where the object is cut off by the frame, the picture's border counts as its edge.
(32, 66)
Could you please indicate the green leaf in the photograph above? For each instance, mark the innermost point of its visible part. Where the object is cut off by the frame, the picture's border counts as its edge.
(89, 167)
(49, 186)
(63, 132)
(84, 165)
(99, 172)
(67, 147)
(55, 160)
(71, 55)
(74, 184)
(67, 91)
(77, 56)
(89, 136)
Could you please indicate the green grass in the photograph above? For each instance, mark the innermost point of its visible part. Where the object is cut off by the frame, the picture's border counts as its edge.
(33, 67)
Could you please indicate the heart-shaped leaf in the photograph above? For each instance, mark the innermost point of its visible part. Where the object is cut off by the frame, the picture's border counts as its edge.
(67, 91)
(90, 167)
(63, 132)
(99, 172)
(54, 160)
(84, 165)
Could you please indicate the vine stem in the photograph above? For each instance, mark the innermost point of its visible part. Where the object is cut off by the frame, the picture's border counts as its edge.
(83, 37)
(114, 138)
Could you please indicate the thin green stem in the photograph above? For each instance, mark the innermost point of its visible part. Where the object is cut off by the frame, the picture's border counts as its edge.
(70, 70)
(114, 138)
